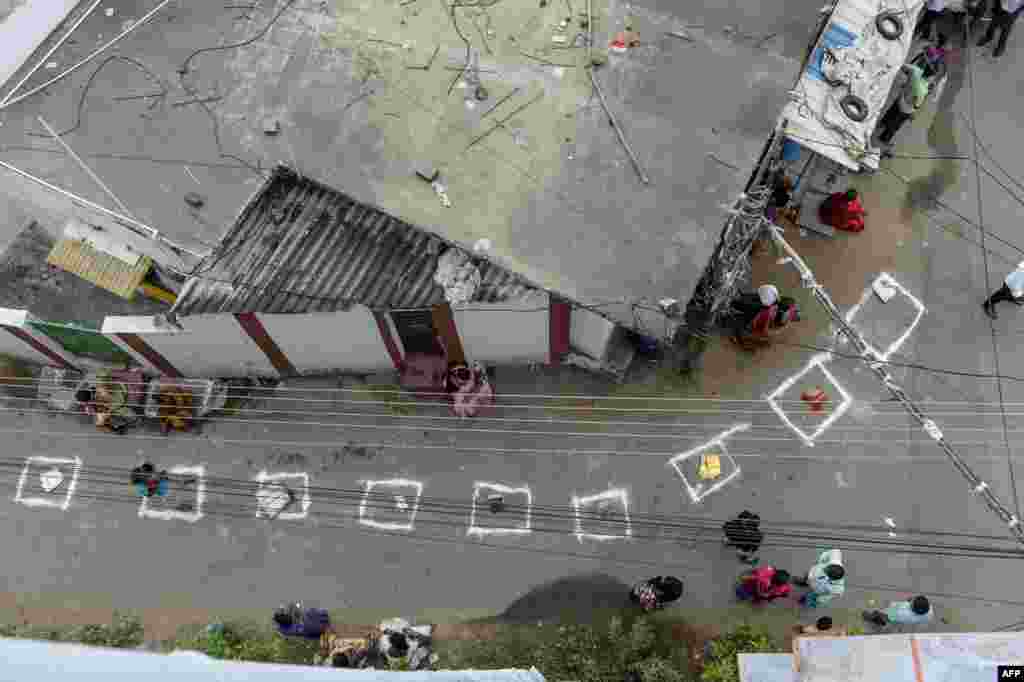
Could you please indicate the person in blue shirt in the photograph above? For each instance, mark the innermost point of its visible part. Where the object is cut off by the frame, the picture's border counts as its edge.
(917, 611)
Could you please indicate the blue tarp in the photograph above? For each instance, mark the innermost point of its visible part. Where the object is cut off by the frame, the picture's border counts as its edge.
(834, 36)
(31, 661)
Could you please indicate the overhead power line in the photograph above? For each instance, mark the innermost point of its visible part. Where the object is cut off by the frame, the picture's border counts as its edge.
(979, 487)
(643, 528)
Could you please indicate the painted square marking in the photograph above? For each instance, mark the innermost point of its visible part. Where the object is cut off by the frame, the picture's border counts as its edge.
(272, 496)
(885, 281)
(147, 510)
(597, 508)
(691, 458)
(390, 498)
(48, 482)
(817, 362)
(481, 492)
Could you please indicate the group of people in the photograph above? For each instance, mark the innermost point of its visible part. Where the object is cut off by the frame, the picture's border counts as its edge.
(824, 581)
(393, 640)
(916, 78)
(1004, 15)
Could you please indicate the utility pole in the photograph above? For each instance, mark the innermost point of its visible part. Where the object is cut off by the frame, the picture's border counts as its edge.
(729, 265)
(877, 366)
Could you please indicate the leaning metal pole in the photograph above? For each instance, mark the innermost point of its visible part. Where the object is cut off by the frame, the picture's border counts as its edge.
(879, 368)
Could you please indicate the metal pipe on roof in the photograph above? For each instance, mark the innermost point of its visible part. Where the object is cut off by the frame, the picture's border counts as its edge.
(68, 71)
(49, 53)
(110, 193)
(132, 224)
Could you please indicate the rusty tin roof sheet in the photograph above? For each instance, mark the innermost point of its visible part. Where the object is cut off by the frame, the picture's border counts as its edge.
(299, 246)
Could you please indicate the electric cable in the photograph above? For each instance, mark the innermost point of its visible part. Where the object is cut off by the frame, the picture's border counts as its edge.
(425, 539)
(984, 255)
(299, 394)
(89, 83)
(699, 427)
(421, 539)
(699, 430)
(882, 540)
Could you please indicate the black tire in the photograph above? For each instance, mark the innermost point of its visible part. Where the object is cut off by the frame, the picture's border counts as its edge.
(889, 25)
(855, 108)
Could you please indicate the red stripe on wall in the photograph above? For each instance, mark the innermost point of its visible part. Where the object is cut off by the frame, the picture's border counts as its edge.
(137, 344)
(258, 333)
(559, 328)
(389, 340)
(39, 347)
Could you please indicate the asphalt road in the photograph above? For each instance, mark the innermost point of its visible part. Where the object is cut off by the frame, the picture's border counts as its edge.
(864, 470)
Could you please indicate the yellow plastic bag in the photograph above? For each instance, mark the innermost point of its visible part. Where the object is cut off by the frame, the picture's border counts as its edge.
(710, 467)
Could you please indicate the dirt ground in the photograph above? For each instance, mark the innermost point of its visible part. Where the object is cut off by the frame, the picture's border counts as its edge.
(844, 264)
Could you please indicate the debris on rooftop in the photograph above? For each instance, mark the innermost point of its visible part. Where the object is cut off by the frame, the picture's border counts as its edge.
(457, 275)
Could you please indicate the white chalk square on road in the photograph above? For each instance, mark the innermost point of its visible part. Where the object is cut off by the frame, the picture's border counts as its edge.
(283, 496)
(603, 516)
(185, 497)
(687, 465)
(797, 415)
(887, 325)
(512, 519)
(48, 482)
(390, 504)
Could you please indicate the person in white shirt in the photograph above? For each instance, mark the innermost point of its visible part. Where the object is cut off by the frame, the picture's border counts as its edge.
(1012, 290)
(1004, 14)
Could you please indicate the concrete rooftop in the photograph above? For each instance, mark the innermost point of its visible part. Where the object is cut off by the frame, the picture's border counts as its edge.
(551, 188)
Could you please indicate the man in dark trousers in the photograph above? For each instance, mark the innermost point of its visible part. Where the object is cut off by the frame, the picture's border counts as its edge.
(1004, 14)
(1012, 290)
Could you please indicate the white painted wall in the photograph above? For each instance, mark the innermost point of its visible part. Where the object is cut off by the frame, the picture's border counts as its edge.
(13, 346)
(504, 332)
(590, 333)
(209, 345)
(324, 341)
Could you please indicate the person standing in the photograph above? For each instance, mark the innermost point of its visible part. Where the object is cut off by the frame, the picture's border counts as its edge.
(1012, 290)
(916, 611)
(910, 96)
(932, 10)
(744, 533)
(826, 578)
(1004, 14)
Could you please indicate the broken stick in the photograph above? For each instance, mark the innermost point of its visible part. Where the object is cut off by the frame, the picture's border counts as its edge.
(618, 129)
(502, 122)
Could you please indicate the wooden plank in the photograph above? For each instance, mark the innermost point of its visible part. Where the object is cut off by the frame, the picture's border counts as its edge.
(101, 269)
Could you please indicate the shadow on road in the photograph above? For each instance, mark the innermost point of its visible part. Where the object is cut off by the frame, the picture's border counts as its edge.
(579, 598)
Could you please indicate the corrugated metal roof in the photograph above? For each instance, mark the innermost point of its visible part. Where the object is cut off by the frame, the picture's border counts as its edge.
(299, 246)
(101, 269)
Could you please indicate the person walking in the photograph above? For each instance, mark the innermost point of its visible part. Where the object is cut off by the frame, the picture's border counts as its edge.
(763, 584)
(1012, 290)
(916, 611)
(910, 95)
(826, 578)
(1004, 15)
(932, 10)
(744, 533)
